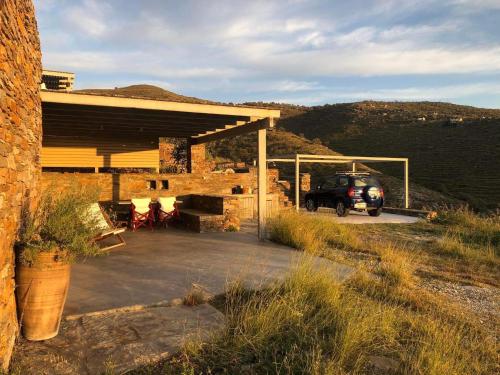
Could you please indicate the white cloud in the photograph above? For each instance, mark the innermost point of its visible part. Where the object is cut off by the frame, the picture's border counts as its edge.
(90, 17)
(261, 47)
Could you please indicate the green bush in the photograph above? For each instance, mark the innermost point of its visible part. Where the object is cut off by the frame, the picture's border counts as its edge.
(61, 222)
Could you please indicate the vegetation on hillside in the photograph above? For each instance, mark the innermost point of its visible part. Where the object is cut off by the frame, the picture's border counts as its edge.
(283, 143)
(454, 159)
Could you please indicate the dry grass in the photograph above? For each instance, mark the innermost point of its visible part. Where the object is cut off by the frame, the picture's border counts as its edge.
(468, 236)
(377, 322)
(313, 234)
(310, 324)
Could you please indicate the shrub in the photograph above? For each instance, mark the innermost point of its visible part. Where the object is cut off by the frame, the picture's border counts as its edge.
(61, 222)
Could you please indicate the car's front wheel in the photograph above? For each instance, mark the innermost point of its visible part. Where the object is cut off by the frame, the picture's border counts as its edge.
(342, 210)
(376, 212)
(311, 205)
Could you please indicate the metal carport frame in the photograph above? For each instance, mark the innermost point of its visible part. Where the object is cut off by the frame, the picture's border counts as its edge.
(341, 159)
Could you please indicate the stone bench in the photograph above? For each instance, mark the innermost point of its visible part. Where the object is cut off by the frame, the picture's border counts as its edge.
(201, 221)
(210, 213)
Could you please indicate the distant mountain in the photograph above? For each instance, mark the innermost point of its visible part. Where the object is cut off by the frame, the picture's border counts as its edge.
(284, 143)
(147, 92)
(453, 149)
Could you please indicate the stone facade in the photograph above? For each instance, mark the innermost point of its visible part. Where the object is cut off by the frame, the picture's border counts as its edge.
(20, 144)
(124, 186)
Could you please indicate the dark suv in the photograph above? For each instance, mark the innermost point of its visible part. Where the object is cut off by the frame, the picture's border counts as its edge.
(348, 191)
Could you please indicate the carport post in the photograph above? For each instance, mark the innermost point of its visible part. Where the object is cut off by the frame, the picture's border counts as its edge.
(262, 182)
(407, 198)
(354, 166)
(297, 182)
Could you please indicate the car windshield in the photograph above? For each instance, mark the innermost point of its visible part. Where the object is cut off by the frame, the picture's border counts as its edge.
(365, 181)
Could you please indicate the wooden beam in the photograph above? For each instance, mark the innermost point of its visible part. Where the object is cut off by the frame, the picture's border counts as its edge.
(297, 182)
(248, 127)
(120, 102)
(262, 182)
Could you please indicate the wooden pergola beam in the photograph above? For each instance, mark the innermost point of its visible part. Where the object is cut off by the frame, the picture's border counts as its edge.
(248, 127)
(150, 104)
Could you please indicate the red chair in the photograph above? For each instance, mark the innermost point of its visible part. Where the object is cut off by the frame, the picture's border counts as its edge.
(167, 210)
(141, 213)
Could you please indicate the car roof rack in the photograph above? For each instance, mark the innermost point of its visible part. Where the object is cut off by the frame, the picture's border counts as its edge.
(351, 173)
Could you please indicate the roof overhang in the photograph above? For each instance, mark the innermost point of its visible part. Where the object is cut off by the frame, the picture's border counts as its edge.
(75, 114)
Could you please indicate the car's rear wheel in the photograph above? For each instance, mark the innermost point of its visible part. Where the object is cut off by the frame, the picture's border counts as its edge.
(376, 212)
(311, 205)
(342, 210)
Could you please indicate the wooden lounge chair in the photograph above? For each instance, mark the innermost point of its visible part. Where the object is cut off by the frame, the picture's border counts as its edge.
(106, 226)
(167, 210)
(141, 213)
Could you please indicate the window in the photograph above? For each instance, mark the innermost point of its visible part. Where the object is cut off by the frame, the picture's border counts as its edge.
(151, 184)
(164, 184)
(328, 185)
(365, 181)
(343, 181)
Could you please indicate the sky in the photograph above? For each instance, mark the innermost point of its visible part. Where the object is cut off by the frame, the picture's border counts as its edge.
(308, 52)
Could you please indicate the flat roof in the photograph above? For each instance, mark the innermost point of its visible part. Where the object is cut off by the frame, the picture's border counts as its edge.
(82, 114)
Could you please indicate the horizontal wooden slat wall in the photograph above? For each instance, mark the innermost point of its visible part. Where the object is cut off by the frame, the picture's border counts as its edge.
(81, 152)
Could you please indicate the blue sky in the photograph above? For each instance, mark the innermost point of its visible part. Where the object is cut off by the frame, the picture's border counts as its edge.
(298, 51)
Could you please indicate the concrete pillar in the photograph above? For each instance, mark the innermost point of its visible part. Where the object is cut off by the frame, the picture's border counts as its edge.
(262, 182)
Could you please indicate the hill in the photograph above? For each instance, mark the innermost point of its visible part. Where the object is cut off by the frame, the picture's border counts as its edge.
(147, 92)
(456, 160)
(281, 142)
(459, 158)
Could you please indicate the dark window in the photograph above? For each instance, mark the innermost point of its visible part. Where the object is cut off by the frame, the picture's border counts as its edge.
(365, 181)
(343, 181)
(328, 185)
(151, 184)
(164, 184)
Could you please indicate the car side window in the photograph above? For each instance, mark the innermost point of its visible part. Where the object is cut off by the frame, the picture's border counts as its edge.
(343, 181)
(328, 185)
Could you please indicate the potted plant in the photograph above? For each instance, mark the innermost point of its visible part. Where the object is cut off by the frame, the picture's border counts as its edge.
(58, 232)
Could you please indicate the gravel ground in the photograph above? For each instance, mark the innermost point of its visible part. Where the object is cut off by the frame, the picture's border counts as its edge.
(482, 301)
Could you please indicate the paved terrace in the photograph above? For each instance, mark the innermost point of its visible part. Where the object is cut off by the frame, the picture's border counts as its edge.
(162, 265)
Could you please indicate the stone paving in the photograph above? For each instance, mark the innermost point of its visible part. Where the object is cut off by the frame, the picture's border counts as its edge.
(125, 309)
(120, 340)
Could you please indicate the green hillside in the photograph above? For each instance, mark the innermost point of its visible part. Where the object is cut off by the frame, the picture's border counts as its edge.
(461, 159)
(282, 143)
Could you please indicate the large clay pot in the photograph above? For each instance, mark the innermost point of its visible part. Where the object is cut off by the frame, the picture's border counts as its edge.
(41, 293)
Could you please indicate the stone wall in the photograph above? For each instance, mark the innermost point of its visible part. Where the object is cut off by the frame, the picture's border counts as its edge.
(20, 143)
(124, 186)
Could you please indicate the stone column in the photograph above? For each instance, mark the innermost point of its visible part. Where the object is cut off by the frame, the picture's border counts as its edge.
(20, 145)
(197, 158)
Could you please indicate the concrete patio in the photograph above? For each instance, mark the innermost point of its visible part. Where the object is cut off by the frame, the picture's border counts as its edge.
(163, 264)
(125, 309)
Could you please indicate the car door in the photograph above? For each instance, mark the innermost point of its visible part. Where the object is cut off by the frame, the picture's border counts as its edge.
(341, 188)
(327, 193)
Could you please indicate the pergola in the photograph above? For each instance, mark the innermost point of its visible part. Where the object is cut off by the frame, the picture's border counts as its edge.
(342, 159)
(77, 114)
